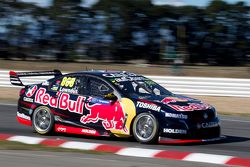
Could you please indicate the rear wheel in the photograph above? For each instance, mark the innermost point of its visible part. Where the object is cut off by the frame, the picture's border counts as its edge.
(43, 120)
(145, 128)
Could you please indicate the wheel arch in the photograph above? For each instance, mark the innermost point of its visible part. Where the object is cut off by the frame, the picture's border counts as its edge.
(51, 129)
(154, 138)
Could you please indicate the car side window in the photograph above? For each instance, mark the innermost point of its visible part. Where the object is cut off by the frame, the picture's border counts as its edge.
(98, 87)
(70, 84)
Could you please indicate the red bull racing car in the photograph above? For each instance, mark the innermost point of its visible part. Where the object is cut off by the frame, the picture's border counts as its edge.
(112, 103)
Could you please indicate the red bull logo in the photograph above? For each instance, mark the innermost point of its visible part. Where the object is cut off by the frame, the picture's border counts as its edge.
(186, 107)
(62, 101)
(190, 107)
(31, 91)
(167, 100)
(111, 115)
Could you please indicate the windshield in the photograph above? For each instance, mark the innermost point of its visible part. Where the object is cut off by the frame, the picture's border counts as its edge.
(140, 87)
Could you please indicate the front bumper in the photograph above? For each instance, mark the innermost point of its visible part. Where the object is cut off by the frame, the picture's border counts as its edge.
(190, 129)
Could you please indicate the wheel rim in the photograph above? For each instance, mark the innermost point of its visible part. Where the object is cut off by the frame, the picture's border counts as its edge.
(145, 127)
(42, 120)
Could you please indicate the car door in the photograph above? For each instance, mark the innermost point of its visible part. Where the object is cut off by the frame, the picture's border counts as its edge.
(105, 114)
(70, 93)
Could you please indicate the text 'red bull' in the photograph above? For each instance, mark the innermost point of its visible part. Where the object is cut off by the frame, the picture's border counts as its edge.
(62, 101)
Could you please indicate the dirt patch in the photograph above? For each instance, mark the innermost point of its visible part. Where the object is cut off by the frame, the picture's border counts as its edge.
(9, 95)
(228, 105)
(146, 69)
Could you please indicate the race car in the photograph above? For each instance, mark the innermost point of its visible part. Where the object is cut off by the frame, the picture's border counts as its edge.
(111, 103)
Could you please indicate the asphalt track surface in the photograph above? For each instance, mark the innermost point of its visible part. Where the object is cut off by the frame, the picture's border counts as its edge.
(62, 159)
(236, 130)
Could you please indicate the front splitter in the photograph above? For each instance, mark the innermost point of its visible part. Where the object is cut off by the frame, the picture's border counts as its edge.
(163, 140)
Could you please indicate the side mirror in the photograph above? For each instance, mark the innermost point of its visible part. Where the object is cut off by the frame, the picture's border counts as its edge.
(110, 96)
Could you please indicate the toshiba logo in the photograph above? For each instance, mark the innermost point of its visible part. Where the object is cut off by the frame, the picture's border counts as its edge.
(148, 106)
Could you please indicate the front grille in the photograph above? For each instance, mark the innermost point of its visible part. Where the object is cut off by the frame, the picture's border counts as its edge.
(206, 133)
(199, 116)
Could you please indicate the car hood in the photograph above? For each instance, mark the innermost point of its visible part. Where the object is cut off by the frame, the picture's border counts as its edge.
(174, 102)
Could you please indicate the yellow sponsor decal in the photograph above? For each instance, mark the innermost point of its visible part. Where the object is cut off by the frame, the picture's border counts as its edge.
(130, 112)
(68, 82)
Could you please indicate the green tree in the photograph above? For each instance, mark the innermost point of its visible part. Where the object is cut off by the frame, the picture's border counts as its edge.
(125, 17)
(64, 15)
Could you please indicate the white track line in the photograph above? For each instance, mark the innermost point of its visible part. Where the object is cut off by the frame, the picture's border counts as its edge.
(26, 140)
(138, 152)
(79, 145)
(207, 158)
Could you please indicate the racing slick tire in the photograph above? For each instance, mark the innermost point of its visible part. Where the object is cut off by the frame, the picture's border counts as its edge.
(43, 120)
(146, 128)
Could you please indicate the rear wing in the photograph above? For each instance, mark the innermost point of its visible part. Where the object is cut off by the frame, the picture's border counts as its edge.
(15, 76)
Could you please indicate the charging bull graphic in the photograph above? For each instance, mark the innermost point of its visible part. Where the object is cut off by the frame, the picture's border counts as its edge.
(189, 106)
(111, 115)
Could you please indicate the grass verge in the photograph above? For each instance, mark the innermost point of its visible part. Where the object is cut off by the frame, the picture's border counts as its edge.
(11, 145)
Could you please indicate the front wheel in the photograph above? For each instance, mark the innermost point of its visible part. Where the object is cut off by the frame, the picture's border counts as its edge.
(145, 128)
(43, 120)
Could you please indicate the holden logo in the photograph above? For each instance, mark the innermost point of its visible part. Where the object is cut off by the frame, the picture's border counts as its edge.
(205, 116)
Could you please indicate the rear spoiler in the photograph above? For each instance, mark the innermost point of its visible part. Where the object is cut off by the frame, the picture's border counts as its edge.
(15, 80)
